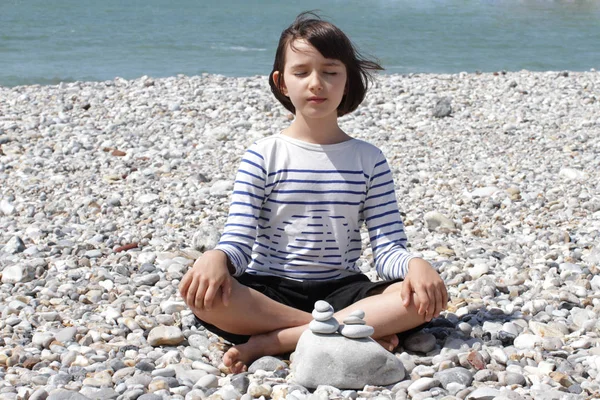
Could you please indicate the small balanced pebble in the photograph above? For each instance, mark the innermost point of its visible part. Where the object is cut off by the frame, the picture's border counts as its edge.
(323, 306)
(322, 316)
(354, 320)
(325, 327)
(357, 313)
(357, 331)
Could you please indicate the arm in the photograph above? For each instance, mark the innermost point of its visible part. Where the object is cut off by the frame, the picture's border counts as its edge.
(386, 230)
(212, 272)
(239, 234)
(388, 241)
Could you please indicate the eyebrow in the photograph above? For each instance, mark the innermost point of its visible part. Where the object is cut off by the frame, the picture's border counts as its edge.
(327, 64)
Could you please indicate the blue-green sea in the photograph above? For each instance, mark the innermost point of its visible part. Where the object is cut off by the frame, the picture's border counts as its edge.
(49, 41)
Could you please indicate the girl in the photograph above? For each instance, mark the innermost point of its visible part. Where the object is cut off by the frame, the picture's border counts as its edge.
(292, 236)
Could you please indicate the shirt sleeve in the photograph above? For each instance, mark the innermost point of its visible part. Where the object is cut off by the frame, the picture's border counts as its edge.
(386, 230)
(247, 199)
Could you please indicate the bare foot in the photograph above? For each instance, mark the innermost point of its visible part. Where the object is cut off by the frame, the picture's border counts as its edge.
(389, 342)
(240, 356)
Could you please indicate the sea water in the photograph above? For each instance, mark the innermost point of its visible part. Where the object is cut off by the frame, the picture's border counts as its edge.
(46, 42)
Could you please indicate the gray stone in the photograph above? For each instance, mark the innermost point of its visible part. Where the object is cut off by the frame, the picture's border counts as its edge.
(133, 394)
(421, 342)
(483, 393)
(150, 396)
(145, 366)
(323, 306)
(527, 341)
(164, 372)
(221, 188)
(422, 385)
(6, 207)
(509, 395)
(42, 339)
(141, 379)
(165, 336)
(487, 191)
(443, 107)
(343, 363)
(39, 394)
(208, 381)
(172, 307)
(18, 273)
(149, 280)
(193, 353)
(197, 394)
(457, 374)
(192, 375)
(322, 316)
(573, 174)
(357, 313)
(485, 375)
(99, 393)
(14, 245)
(325, 327)
(95, 253)
(434, 220)
(357, 331)
(240, 382)
(507, 378)
(199, 341)
(66, 335)
(267, 363)
(354, 320)
(148, 198)
(61, 394)
(206, 238)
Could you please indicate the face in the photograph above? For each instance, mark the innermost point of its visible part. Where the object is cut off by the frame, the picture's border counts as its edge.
(314, 84)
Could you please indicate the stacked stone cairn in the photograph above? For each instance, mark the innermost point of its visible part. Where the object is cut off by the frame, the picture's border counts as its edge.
(355, 326)
(323, 321)
(343, 356)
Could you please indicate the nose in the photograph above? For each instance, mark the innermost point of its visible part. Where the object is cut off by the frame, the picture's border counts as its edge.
(315, 83)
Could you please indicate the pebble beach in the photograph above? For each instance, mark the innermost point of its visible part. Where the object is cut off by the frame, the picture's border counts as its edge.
(110, 190)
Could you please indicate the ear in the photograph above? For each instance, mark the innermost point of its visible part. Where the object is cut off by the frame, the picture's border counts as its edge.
(281, 84)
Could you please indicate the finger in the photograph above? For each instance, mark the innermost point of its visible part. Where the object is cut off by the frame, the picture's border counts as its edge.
(226, 288)
(184, 286)
(209, 297)
(423, 300)
(431, 303)
(190, 297)
(446, 299)
(439, 306)
(200, 293)
(406, 293)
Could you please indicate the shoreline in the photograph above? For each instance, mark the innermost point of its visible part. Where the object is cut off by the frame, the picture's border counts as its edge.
(111, 189)
(384, 73)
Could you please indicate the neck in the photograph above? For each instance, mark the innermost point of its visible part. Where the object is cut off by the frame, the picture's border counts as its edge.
(318, 131)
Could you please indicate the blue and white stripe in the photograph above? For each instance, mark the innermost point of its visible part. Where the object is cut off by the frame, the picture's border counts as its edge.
(297, 209)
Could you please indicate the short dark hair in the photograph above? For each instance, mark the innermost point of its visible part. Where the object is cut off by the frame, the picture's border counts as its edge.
(332, 43)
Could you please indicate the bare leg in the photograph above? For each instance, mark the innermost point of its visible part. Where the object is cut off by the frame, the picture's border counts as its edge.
(384, 312)
(250, 313)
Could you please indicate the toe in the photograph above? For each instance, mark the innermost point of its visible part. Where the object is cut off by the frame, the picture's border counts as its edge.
(238, 367)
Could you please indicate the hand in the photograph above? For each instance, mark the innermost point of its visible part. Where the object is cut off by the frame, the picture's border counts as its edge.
(430, 292)
(202, 282)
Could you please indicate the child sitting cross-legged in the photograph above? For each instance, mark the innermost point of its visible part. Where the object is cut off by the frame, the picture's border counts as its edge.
(300, 197)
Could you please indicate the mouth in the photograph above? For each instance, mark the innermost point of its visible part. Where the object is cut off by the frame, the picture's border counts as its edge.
(316, 99)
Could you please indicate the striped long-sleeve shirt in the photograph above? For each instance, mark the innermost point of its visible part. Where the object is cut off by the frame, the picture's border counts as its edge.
(297, 209)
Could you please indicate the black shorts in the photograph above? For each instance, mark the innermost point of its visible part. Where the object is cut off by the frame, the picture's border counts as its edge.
(302, 295)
